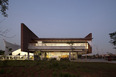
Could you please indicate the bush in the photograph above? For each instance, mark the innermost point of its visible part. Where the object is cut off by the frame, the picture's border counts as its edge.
(53, 59)
(64, 59)
(54, 64)
(63, 74)
(5, 63)
(2, 71)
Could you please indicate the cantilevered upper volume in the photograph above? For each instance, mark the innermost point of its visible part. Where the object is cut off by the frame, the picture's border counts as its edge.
(32, 43)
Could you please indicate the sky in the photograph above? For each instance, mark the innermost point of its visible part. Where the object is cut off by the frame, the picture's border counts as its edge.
(62, 19)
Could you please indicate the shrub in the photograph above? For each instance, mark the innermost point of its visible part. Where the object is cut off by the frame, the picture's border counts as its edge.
(53, 59)
(2, 71)
(63, 74)
(64, 59)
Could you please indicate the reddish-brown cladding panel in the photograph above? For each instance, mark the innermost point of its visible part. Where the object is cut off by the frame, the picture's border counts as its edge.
(89, 49)
(26, 36)
(89, 36)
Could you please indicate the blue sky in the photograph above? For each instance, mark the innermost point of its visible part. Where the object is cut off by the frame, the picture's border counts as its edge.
(63, 18)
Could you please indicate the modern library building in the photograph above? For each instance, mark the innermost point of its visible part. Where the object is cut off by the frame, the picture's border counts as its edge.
(57, 48)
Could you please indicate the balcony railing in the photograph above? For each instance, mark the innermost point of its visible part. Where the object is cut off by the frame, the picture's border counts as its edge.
(56, 47)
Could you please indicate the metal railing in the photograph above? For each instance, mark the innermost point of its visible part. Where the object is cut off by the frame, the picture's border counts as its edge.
(17, 57)
(56, 47)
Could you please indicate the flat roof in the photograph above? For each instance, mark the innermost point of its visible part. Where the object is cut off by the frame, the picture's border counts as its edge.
(62, 39)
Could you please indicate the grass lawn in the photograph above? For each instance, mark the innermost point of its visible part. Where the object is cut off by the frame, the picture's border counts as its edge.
(56, 69)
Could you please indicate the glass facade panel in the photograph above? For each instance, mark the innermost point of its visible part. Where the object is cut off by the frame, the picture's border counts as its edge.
(61, 44)
(59, 55)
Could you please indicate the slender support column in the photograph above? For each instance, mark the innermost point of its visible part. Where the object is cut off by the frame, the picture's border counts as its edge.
(77, 55)
(45, 56)
(86, 50)
(70, 55)
(28, 55)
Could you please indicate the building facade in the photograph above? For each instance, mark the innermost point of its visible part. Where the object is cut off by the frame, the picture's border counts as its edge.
(57, 48)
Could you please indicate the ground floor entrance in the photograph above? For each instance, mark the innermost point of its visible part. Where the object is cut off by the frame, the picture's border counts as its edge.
(58, 55)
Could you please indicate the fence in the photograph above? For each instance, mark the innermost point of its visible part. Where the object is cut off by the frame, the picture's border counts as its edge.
(31, 57)
(17, 57)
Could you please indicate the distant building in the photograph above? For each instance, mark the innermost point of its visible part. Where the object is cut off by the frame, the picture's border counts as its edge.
(13, 49)
(54, 47)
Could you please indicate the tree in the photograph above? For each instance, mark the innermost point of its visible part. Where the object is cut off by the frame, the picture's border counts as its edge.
(4, 7)
(113, 39)
(2, 52)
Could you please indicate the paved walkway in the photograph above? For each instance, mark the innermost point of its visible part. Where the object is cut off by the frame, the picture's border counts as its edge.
(94, 60)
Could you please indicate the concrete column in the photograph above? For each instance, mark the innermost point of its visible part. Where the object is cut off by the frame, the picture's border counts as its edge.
(77, 54)
(28, 55)
(69, 55)
(45, 55)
